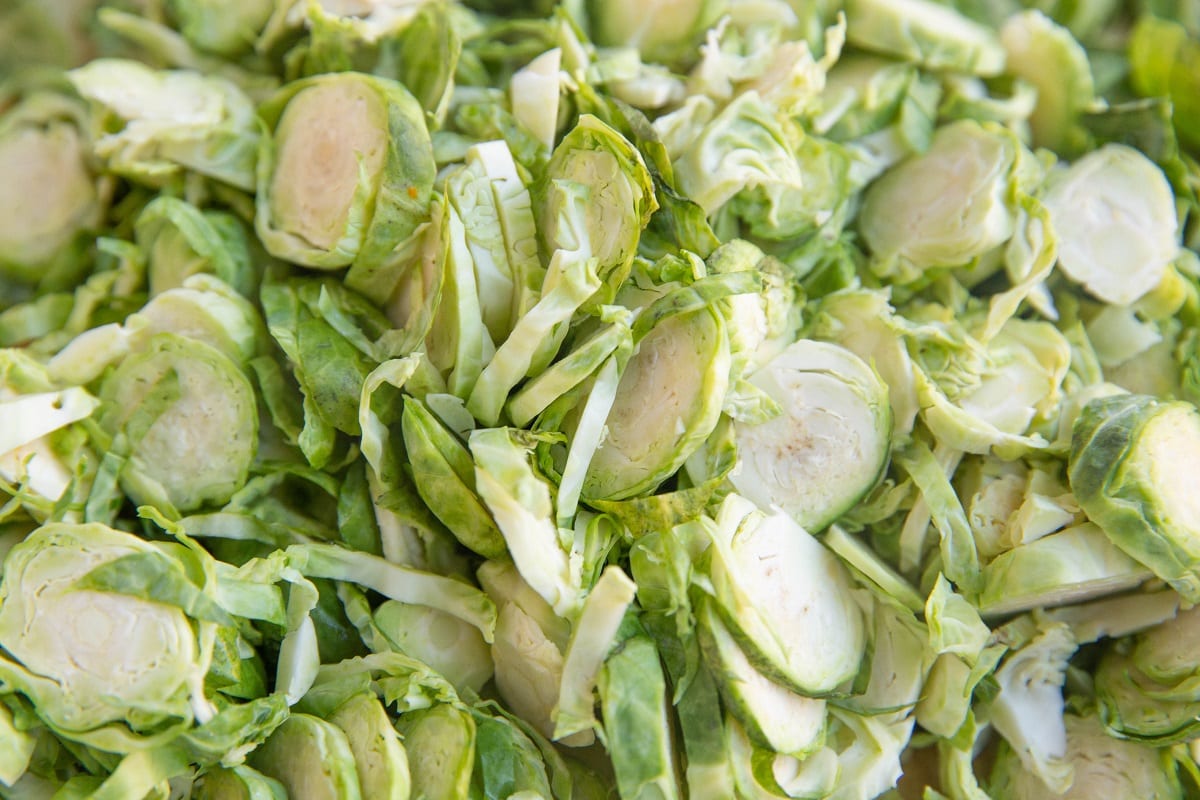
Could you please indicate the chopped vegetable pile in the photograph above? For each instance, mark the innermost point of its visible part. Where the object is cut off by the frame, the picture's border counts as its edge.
(698, 399)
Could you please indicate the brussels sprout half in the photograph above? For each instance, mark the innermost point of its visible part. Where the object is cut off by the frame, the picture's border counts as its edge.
(91, 657)
(1132, 463)
(683, 364)
(773, 716)
(49, 195)
(945, 207)
(311, 758)
(190, 418)
(786, 599)
(829, 445)
(379, 757)
(346, 174)
(1114, 215)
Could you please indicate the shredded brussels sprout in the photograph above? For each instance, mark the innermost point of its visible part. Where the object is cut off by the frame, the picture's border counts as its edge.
(572, 399)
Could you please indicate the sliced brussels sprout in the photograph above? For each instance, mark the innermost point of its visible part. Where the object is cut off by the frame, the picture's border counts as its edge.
(238, 783)
(162, 123)
(379, 756)
(189, 416)
(1147, 687)
(663, 30)
(1103, 765)
(346, 174)
(1113, 214)
(684, 363)
(773, 716)
(1130, 468)
(508, 763)
(311, 758)
(1028, 711)
(441, 751)
(451, 646)
(865, 324)
(1167, 652)
(180, 240)
(595, 159)
(312, 197)
(635, 706)
(89, 657)
(1046, 55)
(785, 598)
(591, 640)
(204, 309)
(533, 94)
(529, 668)
(1135, 706)
(945, 207)
(934, 35)
(444, 475)
(496, 210)
(49, 196)
(520, 501)
(828, 446)
(1076, 564)
(224, 27)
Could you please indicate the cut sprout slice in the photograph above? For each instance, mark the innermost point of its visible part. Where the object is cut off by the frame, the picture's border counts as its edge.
(668, 401)
(930, 33)
(92, 657)
(311, 758)
(787, 600)
(52, 161)
(1104, 766)
(773, 716)
(453, 647)
(441, 751)
(1070, 566)
(944, 207)
(1132, 466)
(191, 420)
(329, 134)
(379, 757)
(1113, 213)
(828, 447)
(345, 175)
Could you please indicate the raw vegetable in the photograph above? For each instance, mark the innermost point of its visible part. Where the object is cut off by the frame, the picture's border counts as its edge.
(702, 399)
